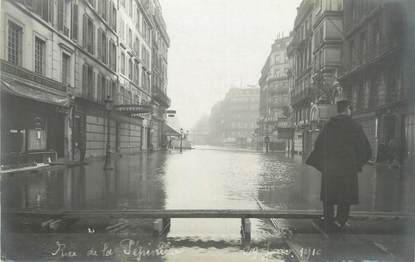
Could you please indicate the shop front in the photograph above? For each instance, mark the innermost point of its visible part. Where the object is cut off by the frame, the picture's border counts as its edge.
(31, 131)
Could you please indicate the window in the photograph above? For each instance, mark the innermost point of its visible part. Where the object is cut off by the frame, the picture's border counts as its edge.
(88, 34)
(39, 56)
(130, 68)
(74, 22)
(137, 47)
(112, 55)
(113, 16)
(123, 63)
(376, 38)
(113, 90)
(146, 31)
(138, 20)
(102, 46)
(102, 86)
(103, 8)
(136, 73)
(61, 15)
(374, 92)
(353, 54)
(121, 31)
(121, 95)
(14, 44)
(130, 9)
(363, 48)
(88, 80)
(145, 57)
(130, 38)
(65, 68)
(42, 8)
(130, 97)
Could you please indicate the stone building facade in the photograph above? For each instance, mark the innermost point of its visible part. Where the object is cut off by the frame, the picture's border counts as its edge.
(274, 96)
(378, 70)
(301, 53)
(159, 81)
(233, 120)
(68, 59)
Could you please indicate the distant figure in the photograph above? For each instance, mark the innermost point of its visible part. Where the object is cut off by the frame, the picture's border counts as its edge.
(395, 152)
(383, 153)
(340, 152)
(266, 141)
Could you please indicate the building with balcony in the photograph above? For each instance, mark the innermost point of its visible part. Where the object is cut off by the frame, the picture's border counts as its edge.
(300, 52)
(159, 50)
(378, 78)
(134, 71)
(274, 95)
(35, 81)
(62, 61)
(327, 34)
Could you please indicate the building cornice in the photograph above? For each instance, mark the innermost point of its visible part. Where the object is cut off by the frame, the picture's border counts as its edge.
(327, 14)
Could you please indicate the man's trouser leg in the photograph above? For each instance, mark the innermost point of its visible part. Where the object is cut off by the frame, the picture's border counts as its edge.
(343, 211)
(328, 210)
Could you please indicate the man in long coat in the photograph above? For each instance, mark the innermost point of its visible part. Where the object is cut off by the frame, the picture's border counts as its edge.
(340, 152)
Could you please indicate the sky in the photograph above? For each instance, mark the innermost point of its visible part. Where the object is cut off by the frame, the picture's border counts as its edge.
(216, 45)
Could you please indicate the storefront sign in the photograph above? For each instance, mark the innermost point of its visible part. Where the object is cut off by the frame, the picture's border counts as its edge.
(133, 108)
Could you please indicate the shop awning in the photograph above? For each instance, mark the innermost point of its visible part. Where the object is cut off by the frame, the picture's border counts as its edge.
(170, 131)
(20, 89)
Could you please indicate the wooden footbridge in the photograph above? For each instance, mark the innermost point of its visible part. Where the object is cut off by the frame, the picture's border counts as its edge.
(163, 217)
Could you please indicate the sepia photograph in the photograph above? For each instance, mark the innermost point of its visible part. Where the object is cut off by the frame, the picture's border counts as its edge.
(207, 130)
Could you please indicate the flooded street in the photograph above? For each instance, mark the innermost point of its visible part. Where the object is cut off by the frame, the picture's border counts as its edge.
(204, 178)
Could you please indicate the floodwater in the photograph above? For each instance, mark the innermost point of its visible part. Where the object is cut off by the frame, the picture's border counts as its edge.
(204, 178)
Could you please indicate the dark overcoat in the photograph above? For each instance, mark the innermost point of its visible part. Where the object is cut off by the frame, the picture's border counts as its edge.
(340, 151)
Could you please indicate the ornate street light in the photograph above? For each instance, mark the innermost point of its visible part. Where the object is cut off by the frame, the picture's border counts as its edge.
(108, 107)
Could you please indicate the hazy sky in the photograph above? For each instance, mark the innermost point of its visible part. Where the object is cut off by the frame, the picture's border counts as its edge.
(217, 44)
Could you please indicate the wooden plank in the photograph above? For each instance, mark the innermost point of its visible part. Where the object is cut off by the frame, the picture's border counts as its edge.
(199, 213)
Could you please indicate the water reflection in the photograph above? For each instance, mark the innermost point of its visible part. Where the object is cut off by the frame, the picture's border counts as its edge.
(198, 179)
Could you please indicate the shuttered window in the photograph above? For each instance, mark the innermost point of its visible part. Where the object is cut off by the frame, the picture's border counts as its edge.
(85, 81)
(61, 14)
(88, 81)
(74, 22)
(14, 44)
(88, 34)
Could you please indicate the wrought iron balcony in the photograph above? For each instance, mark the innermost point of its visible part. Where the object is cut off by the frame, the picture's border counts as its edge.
(27, 75)
(161, 97)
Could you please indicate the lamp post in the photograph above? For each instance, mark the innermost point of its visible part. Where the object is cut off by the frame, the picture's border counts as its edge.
(108, 107)
(181, 140)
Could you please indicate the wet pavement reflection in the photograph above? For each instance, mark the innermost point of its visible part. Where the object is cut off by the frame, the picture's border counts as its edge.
(205, 178)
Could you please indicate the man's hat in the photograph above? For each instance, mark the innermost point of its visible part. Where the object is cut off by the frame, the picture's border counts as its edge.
(342, 105)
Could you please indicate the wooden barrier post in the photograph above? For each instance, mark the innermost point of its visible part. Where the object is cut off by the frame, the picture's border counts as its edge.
(166, 224)
(161, 226)
(246, 228)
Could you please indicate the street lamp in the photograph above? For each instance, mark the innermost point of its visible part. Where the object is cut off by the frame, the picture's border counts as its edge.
(181, 140)
(108, 107)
